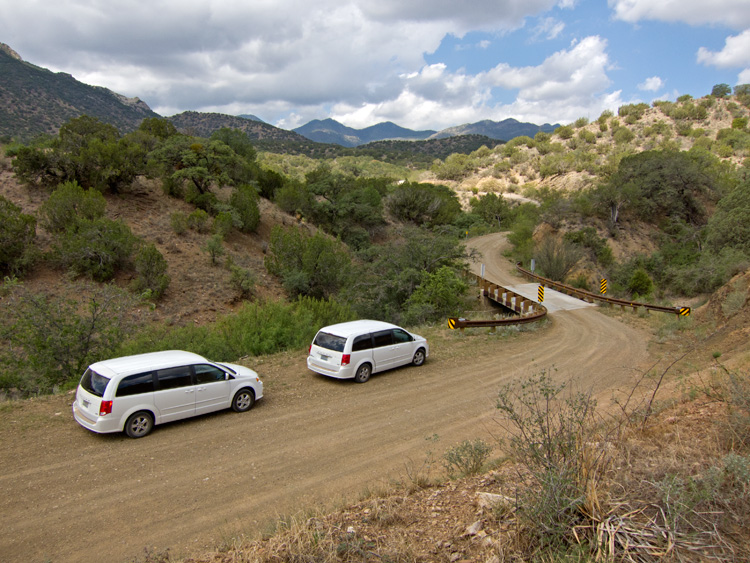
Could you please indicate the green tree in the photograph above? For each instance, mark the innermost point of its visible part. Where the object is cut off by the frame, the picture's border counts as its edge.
(721, 90)
(556, 258)
(17, 237)
(493, 209)
(315, 266)
(424, 204)
(440, 294)
(729, 227)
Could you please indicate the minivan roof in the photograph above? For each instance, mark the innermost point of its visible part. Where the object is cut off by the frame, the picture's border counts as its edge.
(356, 327)
(128, 365)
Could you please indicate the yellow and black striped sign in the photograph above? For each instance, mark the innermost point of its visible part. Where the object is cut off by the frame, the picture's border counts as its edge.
(452, 324)
(603, 286)
(540, 294)
(684, 311)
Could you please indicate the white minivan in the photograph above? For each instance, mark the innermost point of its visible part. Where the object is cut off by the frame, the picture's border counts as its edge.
(134, 393)
(357, 349)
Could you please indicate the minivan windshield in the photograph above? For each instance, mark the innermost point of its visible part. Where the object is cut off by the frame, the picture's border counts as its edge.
(94, 383)
(330, 341)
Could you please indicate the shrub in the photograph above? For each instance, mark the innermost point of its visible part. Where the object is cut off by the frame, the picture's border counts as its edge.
(96, 248)
(550, 437)
(151, 269)
(564, 132)
(70, 203)
(215, 248)
(17, 236)
(622, 135)
(179, 222)
(53, 339)
(244, 200)
(199, 221)
(467, 458)
(243, 280)
(556, 258)
(640, 284)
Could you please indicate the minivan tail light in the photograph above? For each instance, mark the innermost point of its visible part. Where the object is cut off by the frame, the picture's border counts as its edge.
(105, 408)
(345, 359)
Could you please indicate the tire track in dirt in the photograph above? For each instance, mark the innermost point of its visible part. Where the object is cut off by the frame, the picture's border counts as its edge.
(69, 495)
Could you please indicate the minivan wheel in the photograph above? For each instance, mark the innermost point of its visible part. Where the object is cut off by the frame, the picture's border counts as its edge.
(363, 373)
(243, 401)
(139, 424)
(419, 357)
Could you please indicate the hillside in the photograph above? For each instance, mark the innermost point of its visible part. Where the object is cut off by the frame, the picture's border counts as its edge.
(37, 101)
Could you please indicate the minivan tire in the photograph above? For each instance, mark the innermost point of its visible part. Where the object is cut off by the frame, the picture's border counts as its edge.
(363, 373)
(243, 400)
(139, 424)
(419, 357)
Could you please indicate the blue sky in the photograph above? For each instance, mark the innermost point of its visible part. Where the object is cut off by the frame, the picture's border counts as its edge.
(425, 64)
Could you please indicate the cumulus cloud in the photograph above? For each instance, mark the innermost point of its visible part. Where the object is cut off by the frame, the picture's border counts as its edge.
(732, 13)
(736, 52)
(651, 84)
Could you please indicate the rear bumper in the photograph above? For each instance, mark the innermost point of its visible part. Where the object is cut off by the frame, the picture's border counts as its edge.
(347, 372)
(100, 425)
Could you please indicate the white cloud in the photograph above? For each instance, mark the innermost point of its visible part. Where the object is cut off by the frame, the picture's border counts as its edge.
(732, 13)
(736, 52)
(550, 28)
(651, 84)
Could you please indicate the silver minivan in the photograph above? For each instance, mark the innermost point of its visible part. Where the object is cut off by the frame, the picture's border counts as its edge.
(357, 349)
(134, 393)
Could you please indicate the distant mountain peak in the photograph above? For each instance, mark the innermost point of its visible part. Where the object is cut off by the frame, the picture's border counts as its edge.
(9, 51)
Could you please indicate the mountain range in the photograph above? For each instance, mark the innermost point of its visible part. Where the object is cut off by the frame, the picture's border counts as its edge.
(35, 101)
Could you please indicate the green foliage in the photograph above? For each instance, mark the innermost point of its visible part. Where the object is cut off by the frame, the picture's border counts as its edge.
(632, 110)
(215, 248)
(640, 284)
(95, 248)
(549, 436)
(493, 209)
(721, 90)
(243, 280)
(389, 274)
(151, 270)
(455, 167)
(729, 227)
(622, 135)
(467, 458)
(70, 203)
(589, 239)
(49, 341)
(439, 295)
(427, 205)
(315, 266)
(526, 219)
(557, 257)
(237, 140)
(17, 238)
(564, 132)
(199, 221)
(256, 329)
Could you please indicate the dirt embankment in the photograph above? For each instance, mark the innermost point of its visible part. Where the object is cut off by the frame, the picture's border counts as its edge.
(69, 495)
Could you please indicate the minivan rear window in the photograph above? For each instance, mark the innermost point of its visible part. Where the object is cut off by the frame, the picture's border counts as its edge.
(94, 383)
(330, 341)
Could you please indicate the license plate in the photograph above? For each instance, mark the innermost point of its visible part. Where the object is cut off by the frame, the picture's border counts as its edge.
(324, 357)
(85, 403)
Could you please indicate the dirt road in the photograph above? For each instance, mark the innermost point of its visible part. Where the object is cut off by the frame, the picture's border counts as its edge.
(69, 495)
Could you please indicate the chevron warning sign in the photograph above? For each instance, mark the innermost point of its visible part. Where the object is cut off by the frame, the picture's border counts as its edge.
(603, 286)
(452, 324)
(684, 311)
(540, 294)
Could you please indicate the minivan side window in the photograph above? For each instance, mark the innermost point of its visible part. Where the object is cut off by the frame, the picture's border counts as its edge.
(362, 342)
(205, 373)
(172, 378)
(382, 338)
(136, 384)
(400, 336)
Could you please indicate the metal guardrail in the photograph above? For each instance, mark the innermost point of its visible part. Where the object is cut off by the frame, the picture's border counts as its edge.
(593, 297)
(527, 310)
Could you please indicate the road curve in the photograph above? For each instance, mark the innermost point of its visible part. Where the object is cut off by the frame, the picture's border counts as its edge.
(69, 495)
